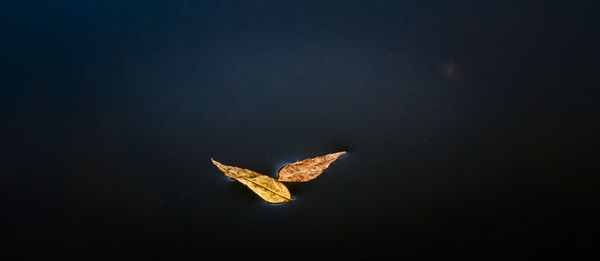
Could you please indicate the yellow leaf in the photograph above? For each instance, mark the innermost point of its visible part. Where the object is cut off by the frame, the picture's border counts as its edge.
(264, 186)
(308, 169)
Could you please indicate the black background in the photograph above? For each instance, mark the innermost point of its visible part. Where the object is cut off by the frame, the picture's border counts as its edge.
(471, 126)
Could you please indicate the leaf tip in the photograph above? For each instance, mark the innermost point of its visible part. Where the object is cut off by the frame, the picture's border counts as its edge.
(338, 154)
(220, 166)
(215, 162)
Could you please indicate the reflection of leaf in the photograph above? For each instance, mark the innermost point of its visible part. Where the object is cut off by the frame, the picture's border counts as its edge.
(308, 169)
(266, 187)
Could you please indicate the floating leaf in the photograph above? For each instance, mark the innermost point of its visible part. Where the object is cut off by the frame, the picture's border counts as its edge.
(308, 169)
(266, 187)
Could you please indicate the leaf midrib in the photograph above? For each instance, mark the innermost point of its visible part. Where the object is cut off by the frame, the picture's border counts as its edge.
(266, 188)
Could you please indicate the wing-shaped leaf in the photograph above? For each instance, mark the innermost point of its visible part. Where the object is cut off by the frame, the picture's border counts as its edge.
(308, 169)
(264, 186)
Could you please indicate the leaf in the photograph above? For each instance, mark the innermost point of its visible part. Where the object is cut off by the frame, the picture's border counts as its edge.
(266, 187)
(308, 169)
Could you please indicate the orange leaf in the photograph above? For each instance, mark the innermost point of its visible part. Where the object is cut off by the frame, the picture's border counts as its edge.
(308, 169)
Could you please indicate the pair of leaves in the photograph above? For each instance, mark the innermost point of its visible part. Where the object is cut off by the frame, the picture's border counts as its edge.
(273, 191)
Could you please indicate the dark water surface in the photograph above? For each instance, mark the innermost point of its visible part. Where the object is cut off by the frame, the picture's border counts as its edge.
(471, 126)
